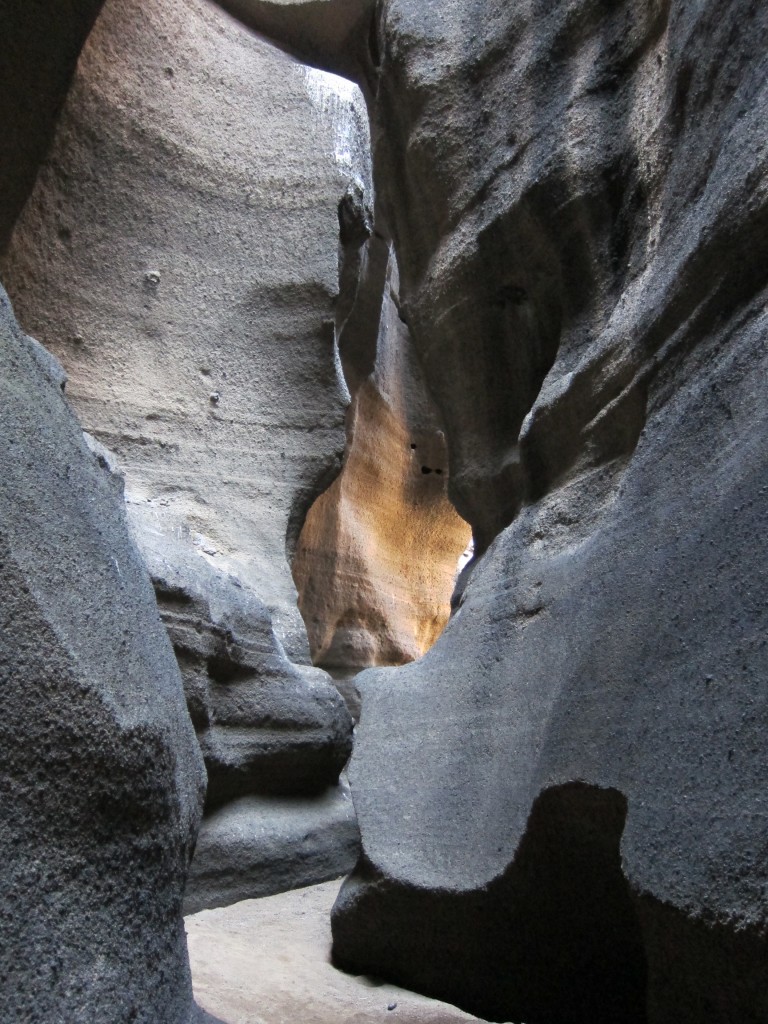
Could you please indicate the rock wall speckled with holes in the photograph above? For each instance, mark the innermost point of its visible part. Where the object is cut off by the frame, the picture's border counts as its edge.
(101, 778)
(562, 805)
(180, 255)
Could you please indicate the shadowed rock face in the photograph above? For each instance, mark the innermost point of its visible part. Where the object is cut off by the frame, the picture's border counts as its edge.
(337, 35)
(41, 43)
(577, 193)
(102, 779)
(562, 914)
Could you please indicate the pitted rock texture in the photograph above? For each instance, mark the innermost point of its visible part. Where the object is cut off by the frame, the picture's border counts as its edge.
(102, 779)
(577, 195)
(179, 256)
(379, 551)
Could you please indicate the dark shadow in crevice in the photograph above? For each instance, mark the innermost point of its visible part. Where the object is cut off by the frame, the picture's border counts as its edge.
(555, 940)
(699, 970)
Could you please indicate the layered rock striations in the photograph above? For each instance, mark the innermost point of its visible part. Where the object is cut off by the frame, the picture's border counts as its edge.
(101, 777)
(179, 254)
(562, 804)
(379, 551)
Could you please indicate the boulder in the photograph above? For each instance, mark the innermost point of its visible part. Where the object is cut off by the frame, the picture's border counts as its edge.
(102, 779)
(262, 845)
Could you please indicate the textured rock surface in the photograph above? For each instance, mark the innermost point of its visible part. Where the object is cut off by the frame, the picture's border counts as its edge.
(378, 555)
(571, 784)
(268, 962)
(179, 254)
(264, 724)
(40, 49)
(102, 780)
(260, 845)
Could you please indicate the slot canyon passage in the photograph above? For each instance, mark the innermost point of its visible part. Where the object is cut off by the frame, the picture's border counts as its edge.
(307, 304)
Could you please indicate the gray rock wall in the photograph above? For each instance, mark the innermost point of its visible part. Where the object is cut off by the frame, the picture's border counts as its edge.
(101, 778)
(180, 254)
(562, 805)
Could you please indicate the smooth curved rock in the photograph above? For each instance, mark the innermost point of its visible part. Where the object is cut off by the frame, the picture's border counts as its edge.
(101, 776)
(264, 724)
(378, 555)
(577, 192)
(179, 255)
(260, 845)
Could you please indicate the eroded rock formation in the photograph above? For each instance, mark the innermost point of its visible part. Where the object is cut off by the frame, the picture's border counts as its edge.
(101, 778)
(580, 189)
(562, 804)
(179, 254)
(378, 555)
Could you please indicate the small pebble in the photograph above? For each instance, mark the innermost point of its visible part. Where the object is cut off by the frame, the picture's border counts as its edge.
(214, 397)
(392, 1006)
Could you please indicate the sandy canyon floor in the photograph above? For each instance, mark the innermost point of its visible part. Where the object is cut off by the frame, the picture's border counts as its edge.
(268, 961)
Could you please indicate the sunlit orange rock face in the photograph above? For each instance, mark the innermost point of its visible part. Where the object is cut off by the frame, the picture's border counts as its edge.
(379, 551)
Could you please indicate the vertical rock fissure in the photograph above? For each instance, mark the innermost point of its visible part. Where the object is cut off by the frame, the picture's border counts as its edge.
(377, 558)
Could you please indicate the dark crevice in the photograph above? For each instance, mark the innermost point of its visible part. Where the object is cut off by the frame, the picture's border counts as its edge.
(555, 940)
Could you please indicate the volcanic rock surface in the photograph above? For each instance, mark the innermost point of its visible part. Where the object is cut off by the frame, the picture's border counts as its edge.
(101, 777)
(562, 804)
(570, 788)
(379, 551)
(179, 254)
(260, 845)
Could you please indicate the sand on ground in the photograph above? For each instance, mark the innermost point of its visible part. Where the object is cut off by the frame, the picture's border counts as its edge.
(268, 961)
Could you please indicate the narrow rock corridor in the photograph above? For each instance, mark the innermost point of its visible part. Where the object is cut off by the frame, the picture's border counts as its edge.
(383, 520)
